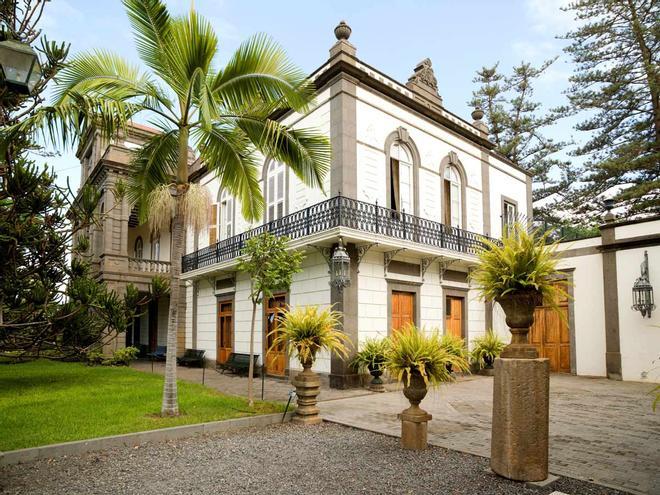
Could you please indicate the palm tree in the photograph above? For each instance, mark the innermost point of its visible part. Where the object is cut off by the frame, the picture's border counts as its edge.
(224, 113)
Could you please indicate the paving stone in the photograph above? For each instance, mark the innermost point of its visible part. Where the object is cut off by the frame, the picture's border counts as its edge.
(601, 430)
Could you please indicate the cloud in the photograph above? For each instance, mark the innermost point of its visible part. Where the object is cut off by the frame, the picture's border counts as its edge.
(547, 17)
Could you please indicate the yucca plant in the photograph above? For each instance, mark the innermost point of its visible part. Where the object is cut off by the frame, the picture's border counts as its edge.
(372, 354)
(486, 348)
(522, 261)
(454, 345)
(413, 352)
(305, 331)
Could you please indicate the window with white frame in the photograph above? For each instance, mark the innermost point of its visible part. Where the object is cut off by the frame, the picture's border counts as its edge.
(226, 214)
(452, 197)
(275, 190)
(509, 215)
(401, 178)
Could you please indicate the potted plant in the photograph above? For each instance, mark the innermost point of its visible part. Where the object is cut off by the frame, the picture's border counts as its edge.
(418, 360)
(485, 349)
(371, 358)
(518, 273)
(455, 346)
(305, 332)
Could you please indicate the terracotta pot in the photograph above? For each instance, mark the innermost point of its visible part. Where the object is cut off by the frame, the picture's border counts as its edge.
(518, 306)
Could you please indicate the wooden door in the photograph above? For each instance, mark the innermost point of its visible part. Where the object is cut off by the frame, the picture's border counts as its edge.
(403, 309)
(550, 335)
(275, 361)
(454, 316)
(224, 338)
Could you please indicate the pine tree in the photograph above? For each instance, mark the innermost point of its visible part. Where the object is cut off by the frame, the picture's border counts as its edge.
(516, 124)
(617, 81)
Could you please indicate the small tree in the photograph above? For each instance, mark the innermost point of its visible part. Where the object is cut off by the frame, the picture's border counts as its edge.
(270, 268)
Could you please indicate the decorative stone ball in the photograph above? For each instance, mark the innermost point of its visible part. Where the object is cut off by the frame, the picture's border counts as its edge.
(343, 31)
(477, 114)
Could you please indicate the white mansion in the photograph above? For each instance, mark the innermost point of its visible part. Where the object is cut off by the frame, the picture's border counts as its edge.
(411, 190)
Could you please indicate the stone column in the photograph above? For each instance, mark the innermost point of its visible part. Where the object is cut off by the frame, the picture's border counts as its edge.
(519, 443)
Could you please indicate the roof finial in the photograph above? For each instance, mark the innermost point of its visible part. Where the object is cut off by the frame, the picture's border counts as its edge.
(343, 31)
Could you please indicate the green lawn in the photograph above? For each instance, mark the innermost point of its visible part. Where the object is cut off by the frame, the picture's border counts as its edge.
(45, 402)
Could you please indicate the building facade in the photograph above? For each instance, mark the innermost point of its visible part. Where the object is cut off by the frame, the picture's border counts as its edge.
(122, 250)
(604, 335)
(411, 189)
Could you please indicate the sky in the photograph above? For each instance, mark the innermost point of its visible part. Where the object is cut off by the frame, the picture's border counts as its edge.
(459, 36)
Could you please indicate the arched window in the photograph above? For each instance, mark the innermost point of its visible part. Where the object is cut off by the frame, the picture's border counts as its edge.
(452, 197)
(226, 214)
(401, 178)
(138, 248)
(275, 190)
(155, 248)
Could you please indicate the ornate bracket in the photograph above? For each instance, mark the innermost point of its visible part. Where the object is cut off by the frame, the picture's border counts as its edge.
(326, 252)
(426, 263)
(361, 251)
(389, 256)
(445, 263)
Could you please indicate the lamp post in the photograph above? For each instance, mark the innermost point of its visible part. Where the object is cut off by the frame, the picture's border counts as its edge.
(20, 70)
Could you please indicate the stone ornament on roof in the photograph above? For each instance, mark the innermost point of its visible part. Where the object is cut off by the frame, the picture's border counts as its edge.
(343, 31)
(424, 74)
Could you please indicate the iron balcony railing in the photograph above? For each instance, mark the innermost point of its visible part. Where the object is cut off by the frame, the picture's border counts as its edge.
(341, 211)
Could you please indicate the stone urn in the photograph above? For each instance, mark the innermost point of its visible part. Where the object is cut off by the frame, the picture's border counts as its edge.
(519, 306)
(414, 420)
(376, 384)
(308, 386)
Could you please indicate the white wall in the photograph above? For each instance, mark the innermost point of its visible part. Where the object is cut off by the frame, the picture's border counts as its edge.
(639, 336)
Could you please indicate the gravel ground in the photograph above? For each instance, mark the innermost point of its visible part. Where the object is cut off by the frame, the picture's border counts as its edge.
(285, 459)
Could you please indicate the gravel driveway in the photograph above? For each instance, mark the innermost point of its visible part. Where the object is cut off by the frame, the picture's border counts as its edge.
(285, 459)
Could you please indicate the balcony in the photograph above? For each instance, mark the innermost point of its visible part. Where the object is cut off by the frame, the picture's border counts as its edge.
(341, 211)
(148, 266)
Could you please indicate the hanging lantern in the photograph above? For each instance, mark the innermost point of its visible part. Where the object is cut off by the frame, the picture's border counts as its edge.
(340, 266)
(643, 290)
(19, 66)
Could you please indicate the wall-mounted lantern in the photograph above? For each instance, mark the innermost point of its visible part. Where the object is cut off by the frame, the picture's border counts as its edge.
(340, 267)
(20, 70)
(643, 290)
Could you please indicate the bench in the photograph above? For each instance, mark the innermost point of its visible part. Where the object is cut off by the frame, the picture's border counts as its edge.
(159, 354)
(238, 363)
(192, 358)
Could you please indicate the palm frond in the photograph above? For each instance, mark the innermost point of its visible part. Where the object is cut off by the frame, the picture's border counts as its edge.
(306, 151)
(151, 23)
(153, 165)
(260, 71)
(226, 152)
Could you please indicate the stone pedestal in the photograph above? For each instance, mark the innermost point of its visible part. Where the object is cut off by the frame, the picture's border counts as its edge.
(414, 428)
(519, 444)
(308, 386)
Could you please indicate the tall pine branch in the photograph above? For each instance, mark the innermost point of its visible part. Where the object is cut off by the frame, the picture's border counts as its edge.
(617, 83)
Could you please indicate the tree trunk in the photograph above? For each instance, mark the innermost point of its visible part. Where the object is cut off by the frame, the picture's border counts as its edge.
(170, 397)
(251, 369)
(170, 405)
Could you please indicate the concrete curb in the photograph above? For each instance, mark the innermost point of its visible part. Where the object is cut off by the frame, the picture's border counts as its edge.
(132, 439)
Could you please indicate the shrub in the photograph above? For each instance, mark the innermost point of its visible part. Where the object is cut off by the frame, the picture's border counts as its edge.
(123, 357)
(522, 261)
(454, 345)
(489, 346)
(94, 357)
(305, 331)
(414, 351)
(372, 355)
